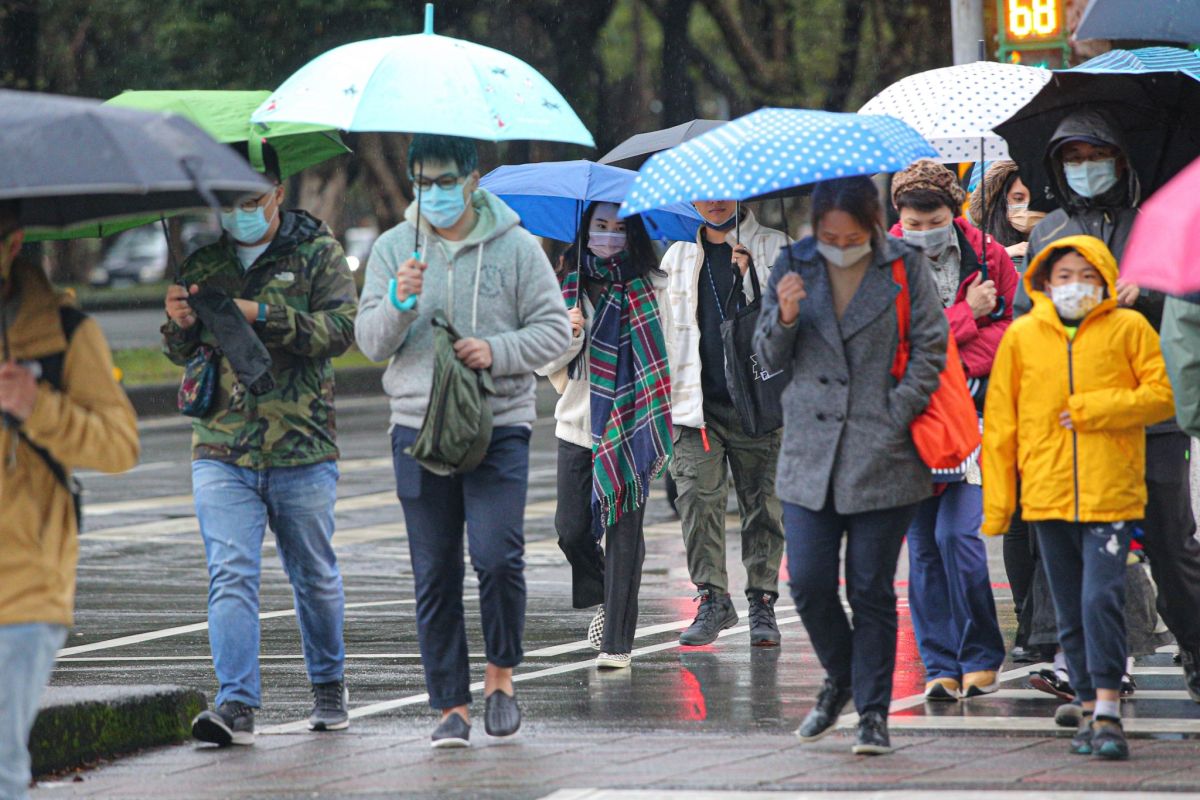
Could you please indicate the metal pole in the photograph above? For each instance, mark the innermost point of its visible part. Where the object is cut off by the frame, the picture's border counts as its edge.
(966, 24)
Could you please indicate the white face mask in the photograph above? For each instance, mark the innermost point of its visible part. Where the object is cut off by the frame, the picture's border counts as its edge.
(1075, 300)
(1091, 178)
(606, 244)
(933, 241)
(843, 257)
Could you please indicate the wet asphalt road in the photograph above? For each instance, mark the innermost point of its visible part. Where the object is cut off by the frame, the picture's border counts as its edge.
(141, 609)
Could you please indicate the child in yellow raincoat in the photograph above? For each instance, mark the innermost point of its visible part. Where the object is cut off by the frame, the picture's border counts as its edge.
(1073, 387)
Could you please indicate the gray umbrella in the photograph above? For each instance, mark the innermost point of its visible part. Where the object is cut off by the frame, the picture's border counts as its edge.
(638, 147)
(70, 160)
(1160, 21)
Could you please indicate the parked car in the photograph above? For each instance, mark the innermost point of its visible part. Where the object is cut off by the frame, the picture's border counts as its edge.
(140, 255)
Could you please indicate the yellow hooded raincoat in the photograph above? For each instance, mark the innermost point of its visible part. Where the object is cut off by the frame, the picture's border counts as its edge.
(1112, 379)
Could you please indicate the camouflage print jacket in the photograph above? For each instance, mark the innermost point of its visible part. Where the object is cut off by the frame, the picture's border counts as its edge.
(311, 303)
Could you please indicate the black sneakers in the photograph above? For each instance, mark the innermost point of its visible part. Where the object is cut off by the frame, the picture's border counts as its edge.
(764, 631)
(872, 738)
(1081, 742)
(1108, 739)
(501, 715)
(330, 707)
(1191, 673)
(715, 614)
(453, 731)
(231, 723)
(825, 713)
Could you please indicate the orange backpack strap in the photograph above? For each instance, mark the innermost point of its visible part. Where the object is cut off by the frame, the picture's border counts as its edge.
(903, 319)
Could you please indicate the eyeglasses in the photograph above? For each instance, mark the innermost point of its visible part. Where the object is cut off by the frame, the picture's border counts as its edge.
(250, 205)
(447, 181)
(1099, 155)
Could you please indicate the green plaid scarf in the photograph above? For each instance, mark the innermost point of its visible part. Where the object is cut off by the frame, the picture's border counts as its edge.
(630, 388)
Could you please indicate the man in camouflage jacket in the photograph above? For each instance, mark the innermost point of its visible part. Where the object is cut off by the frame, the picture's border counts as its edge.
(271, 457)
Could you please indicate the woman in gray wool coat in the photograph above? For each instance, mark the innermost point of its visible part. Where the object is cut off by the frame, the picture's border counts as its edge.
(848, 466)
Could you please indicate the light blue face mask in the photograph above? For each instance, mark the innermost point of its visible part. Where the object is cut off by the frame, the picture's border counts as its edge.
(247, 227)
(1091, 178)
(441, 208)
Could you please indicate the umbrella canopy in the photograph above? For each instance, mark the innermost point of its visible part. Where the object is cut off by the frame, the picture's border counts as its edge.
(1162, 252)
(774, 150)
(70, 160)
(1153, 94)
(956, 108)
(225, 116)
(1160, 21)
(637, 148)
(425, 83)
(551, 197)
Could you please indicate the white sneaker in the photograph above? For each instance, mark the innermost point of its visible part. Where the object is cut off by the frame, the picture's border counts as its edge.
(595, 635)
(613, 660)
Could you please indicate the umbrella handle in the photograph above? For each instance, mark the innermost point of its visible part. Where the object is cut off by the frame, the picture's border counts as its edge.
(410, 302)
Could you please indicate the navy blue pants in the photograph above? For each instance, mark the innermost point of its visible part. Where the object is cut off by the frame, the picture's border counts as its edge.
(489, 503)
(861, 653)
(949, 588)
(1085, 566)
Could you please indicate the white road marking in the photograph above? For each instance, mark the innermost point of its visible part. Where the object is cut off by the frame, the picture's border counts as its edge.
(381, 707)
(868, 794)
(179, 630)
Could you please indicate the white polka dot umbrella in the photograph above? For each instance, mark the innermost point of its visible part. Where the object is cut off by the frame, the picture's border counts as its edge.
(774, 150)
(956, 108)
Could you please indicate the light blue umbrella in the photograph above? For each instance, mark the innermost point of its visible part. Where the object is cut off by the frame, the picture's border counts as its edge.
(425, 83)
(551, 197)
(774, 151)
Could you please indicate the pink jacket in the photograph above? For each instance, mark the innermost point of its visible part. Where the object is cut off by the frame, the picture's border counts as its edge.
(977, 339)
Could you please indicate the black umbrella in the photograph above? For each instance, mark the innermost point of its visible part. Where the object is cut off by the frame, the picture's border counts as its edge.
(70, 160)
(1160, 21)
(1152, 94)
(639, 147)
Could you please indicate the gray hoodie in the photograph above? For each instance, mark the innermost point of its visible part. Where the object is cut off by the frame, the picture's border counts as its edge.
(496, 285)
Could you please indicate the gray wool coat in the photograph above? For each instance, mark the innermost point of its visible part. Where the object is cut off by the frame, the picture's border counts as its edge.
(845, 429)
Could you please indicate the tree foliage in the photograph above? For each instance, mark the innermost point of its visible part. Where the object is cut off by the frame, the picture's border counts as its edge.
(625, 65)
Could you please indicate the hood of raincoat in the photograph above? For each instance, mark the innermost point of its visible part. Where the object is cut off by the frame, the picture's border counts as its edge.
(1096, 253)
(1097, 125)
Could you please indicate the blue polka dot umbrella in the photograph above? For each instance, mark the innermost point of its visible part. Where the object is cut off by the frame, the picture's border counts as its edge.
(774, 151)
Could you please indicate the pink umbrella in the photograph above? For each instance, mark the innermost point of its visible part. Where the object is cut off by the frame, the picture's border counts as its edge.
(1162, 252)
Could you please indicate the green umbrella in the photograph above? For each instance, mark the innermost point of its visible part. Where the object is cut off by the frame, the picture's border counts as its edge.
(224, 115)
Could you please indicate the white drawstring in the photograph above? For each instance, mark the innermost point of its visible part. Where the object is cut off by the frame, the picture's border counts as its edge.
(475, 302)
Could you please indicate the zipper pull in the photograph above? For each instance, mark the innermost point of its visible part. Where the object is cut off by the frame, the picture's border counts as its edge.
(704, 438)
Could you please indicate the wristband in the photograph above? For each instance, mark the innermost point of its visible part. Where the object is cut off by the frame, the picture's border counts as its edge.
(407, 305)
(262, 313)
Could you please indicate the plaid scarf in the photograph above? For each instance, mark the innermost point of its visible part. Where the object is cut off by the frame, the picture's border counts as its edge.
(630, 388)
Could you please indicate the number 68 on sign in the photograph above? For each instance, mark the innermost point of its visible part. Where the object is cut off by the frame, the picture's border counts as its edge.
(1028, 20)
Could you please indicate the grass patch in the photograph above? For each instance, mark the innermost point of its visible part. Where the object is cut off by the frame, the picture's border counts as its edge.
(144, 366)
(136, 294)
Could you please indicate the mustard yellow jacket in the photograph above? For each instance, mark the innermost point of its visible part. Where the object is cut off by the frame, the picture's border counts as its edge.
(89, 424)
(1112, 379)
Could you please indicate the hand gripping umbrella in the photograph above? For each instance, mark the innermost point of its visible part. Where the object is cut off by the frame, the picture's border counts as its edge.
(425, 83)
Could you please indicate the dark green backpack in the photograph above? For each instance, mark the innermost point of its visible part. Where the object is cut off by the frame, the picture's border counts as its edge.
(457, 430)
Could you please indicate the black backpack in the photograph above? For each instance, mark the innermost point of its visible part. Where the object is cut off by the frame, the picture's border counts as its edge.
(52, 373)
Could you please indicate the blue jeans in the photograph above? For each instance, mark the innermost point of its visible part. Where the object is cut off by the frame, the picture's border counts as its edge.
(26, 659)
(1085, 567)
(234, 505)
(949, 589)
(862, 655)
(490, 503)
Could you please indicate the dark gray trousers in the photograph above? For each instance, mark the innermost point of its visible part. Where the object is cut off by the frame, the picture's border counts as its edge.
(611, 574)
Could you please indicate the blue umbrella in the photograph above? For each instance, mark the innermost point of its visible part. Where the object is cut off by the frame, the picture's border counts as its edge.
(773, 151)
(551, 198)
